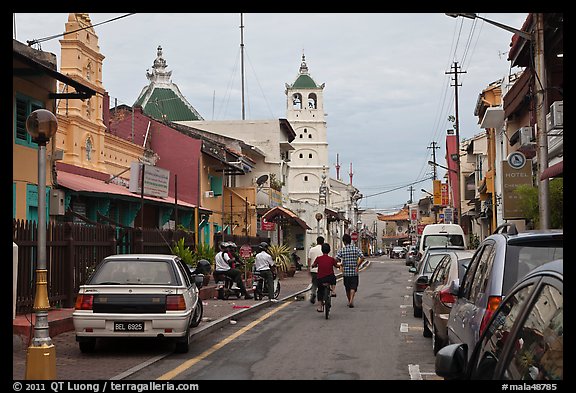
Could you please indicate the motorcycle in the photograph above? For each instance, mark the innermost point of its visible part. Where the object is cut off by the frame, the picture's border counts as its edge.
(260, 287)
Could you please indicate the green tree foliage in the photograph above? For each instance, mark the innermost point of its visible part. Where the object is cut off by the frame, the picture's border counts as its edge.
(530, 207)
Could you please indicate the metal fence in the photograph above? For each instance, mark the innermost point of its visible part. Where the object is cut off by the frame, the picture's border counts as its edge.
(73, 250)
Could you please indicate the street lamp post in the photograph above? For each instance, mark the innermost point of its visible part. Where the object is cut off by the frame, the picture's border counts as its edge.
(459, 202)
(431, 196)
(41, 355)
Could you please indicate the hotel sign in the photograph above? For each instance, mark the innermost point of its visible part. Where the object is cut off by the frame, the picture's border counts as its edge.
(515, 171)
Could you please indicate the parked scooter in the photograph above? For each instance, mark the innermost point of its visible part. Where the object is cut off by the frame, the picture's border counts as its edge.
(260, 287)
(225, 286)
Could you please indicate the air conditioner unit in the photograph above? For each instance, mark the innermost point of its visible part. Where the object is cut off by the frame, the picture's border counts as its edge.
(57, 203)
(526, 136)
(209, 194)
(557, 114)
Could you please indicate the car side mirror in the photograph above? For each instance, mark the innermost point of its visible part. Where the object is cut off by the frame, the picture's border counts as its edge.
(412, 270)
(422, 280)
(451, 361)
(198, 279)
(455, 286)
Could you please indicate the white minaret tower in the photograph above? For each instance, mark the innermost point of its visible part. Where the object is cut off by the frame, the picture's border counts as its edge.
(309, 160)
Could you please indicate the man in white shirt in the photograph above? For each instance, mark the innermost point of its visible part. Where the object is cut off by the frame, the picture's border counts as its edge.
(314, 252)
(263, 264)
(222, 260)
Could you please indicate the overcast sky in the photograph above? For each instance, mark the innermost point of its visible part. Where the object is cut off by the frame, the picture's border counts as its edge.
(387, 95)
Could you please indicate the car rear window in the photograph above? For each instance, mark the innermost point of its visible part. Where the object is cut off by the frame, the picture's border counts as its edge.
(443, 241)
(139, 272)
(520, 260)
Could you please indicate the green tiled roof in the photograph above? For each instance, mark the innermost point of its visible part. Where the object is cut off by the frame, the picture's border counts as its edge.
(304, 82)
(164, 104)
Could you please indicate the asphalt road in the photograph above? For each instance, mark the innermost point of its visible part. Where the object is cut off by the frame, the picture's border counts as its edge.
(378, 339)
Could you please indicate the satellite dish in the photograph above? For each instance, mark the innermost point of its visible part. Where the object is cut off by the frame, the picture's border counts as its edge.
(261, 180)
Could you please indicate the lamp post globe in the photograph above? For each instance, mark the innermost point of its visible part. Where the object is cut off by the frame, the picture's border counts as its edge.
(41, 125)
(41, 356)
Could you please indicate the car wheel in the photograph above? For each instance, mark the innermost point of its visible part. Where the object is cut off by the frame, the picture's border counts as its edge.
(426, 332)
(87, 345)
(198, 313)
(183, 343)
(417, 311)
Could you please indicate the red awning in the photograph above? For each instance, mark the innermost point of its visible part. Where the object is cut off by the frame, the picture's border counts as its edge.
(90, 185)
(277, 212)
(555, 170)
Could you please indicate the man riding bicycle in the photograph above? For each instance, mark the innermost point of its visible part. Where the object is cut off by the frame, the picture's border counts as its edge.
(326, 265)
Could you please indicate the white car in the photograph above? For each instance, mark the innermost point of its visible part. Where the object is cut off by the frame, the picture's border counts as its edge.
(138, 295)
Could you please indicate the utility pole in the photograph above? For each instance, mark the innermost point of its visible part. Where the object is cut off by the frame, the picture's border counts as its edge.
(433, 147)
(542, 135)
(411, 189)
(455, 71)
(242, 60)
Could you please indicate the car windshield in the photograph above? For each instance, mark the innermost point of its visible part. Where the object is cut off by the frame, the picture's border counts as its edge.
(133, 273)
(443, 241)
(520, 260)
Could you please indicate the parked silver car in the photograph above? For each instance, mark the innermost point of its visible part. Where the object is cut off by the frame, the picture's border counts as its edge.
(411, 255)
(524, 340)
(138, 295)
(437, 300)
(422, 272)
(499, 262)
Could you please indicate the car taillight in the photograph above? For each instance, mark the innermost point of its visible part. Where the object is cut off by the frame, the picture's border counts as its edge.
(493, 303)
(175, 303)
(84, 302)
(447, 298)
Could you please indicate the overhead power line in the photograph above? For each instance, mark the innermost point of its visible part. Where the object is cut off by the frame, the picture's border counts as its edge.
(39, 40)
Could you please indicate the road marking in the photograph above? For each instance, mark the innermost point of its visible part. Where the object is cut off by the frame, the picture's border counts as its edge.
(403, 328)
(191, 362)
(414, 371)
(405, 305)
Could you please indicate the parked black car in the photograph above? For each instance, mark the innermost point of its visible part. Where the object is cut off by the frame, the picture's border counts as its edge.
(500, 260)
(523, 340)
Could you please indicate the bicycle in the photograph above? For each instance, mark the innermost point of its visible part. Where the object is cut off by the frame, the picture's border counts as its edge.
(327, 298)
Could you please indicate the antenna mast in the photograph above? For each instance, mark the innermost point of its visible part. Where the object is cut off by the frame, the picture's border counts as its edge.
(242, 61)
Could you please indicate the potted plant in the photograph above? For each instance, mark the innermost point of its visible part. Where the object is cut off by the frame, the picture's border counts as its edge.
(204, 251)
(281, 255)
(191, 258)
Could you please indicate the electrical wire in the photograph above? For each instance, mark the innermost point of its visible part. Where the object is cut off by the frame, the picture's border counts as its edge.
(40, 40)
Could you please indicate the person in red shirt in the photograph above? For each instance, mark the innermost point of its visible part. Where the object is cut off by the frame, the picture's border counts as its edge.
(326, 265)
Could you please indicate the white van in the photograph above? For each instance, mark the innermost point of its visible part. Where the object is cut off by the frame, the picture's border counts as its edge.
(450, 235)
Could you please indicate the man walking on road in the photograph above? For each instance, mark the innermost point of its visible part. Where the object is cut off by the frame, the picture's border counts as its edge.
(351, 257)
(313, 253)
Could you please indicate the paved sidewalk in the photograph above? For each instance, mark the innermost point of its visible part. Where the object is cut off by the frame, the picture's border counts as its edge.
(72, 364)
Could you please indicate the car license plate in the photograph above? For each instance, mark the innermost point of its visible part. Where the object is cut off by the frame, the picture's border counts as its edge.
(129, 326)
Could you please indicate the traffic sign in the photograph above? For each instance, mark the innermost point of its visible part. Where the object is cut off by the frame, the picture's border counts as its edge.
(246, 251)
(354, 236)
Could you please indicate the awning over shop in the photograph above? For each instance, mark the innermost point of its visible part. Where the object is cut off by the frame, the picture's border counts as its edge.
(90, 185)
(333, 215)
(277, 213)
(555, 170)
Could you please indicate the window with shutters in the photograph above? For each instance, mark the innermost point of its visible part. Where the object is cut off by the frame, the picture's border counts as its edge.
(24, 106)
